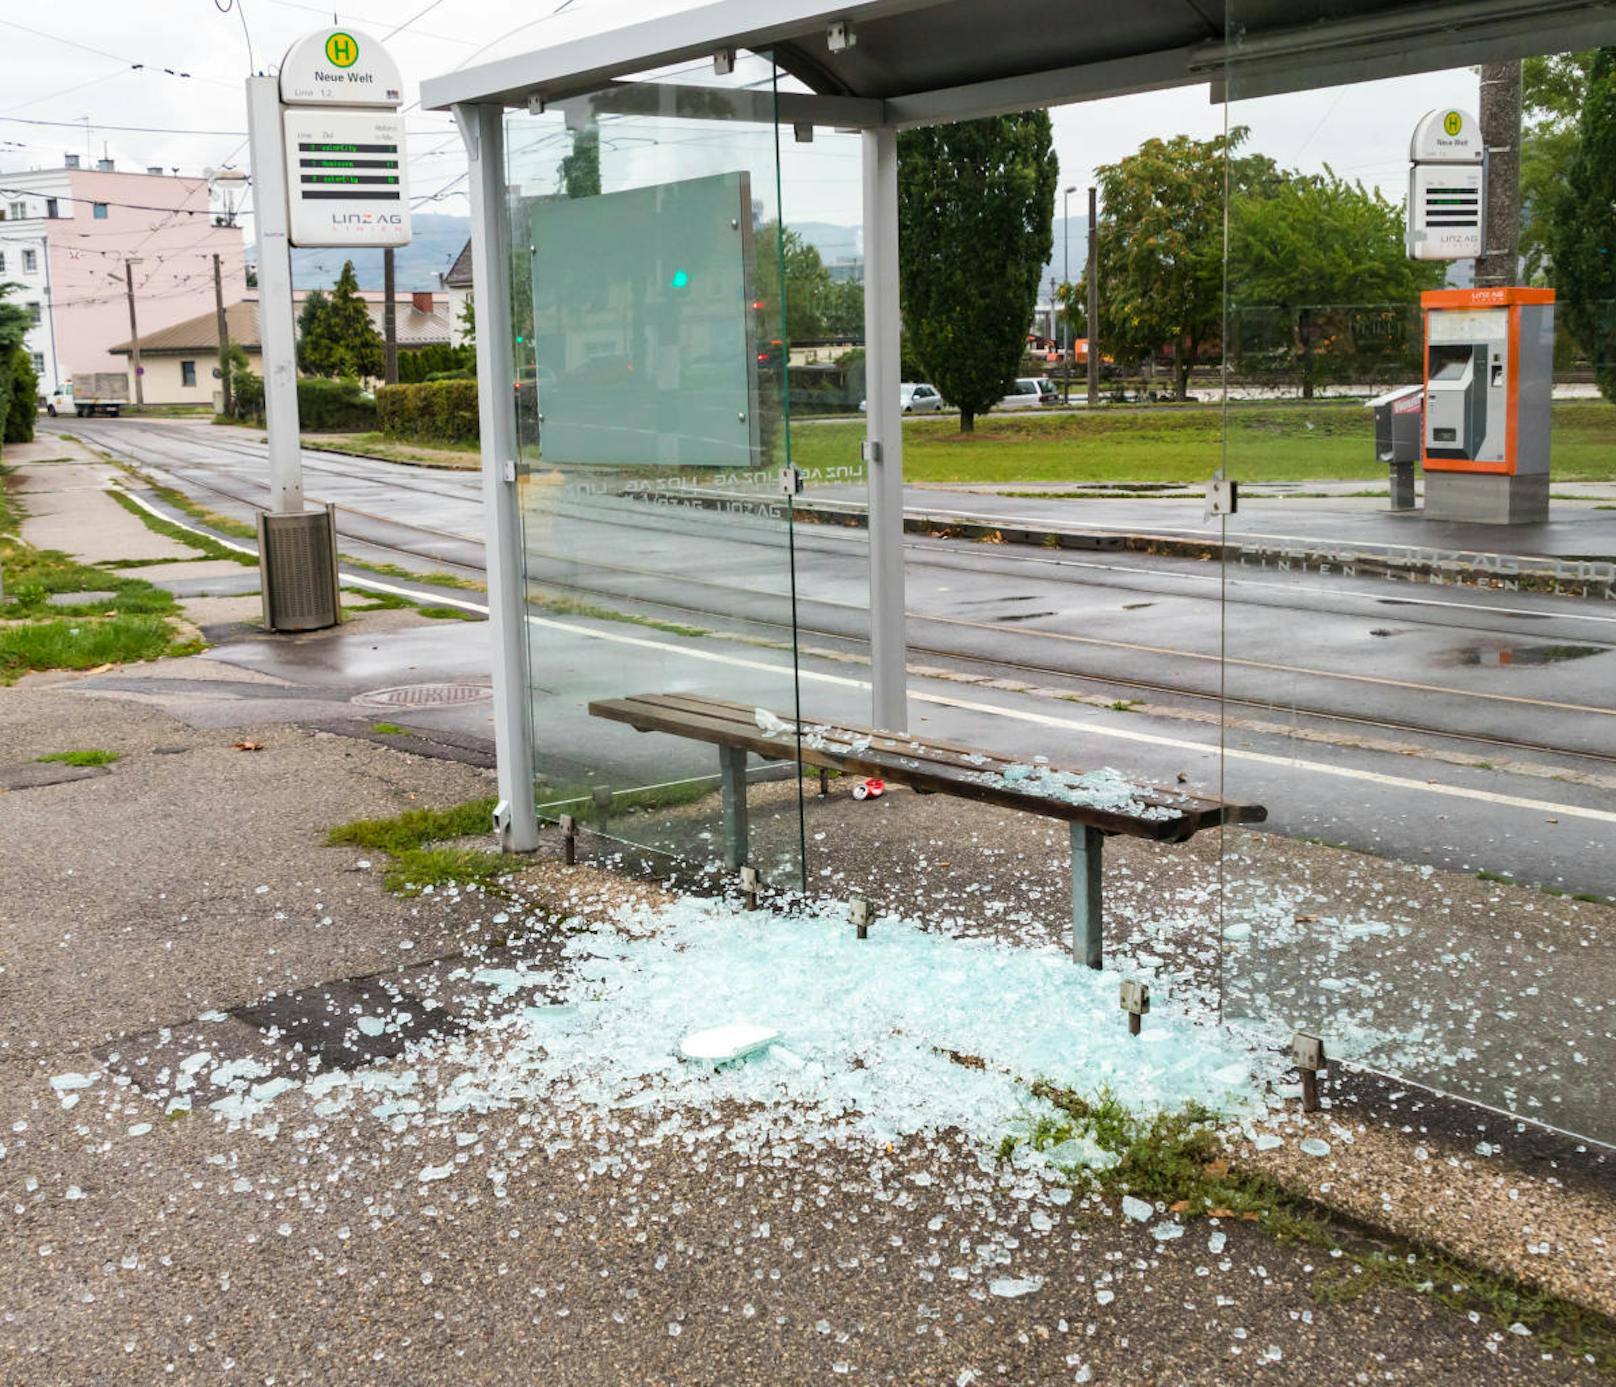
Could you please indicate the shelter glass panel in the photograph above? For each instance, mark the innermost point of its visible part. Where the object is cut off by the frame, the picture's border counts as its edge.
(1420, 662)
(651, 411)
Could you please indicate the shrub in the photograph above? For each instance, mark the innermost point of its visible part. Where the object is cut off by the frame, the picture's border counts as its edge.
(435, 361)
(24, 403)
(443, 411)
(335, 405)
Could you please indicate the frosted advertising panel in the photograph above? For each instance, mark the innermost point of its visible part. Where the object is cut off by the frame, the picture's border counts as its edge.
(644, 326)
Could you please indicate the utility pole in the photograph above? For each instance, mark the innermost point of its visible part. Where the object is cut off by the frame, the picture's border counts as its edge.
(389, 318)
(224, 332)
(1093, 274)
(1066, 281)
(1501, 134)
(134, 331)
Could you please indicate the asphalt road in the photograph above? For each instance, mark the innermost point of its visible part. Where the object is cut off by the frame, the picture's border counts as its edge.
(1469, 730)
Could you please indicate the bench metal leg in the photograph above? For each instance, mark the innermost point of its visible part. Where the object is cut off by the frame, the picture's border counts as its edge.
(1087, 845)
(732, 782)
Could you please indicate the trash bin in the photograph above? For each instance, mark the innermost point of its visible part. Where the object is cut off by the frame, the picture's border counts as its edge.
(1398, 436)
(298, 570)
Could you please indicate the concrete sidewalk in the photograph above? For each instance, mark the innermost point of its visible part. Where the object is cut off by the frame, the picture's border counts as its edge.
(182, 902)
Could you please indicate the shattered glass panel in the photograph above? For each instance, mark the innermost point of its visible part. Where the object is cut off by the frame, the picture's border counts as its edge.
(1420, 662)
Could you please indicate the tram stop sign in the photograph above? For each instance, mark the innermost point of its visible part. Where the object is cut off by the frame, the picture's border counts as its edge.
(346, 180)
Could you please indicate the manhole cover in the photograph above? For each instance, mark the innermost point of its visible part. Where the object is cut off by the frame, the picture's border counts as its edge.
(424, 696)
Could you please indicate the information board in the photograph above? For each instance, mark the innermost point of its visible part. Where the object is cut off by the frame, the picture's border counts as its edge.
(345, 177)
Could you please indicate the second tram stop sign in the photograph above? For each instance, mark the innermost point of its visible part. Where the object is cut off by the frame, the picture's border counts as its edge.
(345, 161)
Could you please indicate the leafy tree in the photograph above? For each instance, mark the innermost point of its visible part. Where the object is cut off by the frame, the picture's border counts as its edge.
(976, 203)
(1312, 244)
(312, 353)
(338, 336)
(1161, 244)
(1582, 226)
(24, 405)
(580, 170)
(468, 324)
(811, 294)
(1552, 92)
(14, 324)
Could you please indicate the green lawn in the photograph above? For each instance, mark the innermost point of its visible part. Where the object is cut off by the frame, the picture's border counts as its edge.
(1290, 442)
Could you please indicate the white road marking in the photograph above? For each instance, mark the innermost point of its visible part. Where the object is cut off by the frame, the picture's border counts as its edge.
(970, 705)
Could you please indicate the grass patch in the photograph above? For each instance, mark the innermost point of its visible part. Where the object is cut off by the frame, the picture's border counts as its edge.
(1176, 1158)
(82, 644)
(436, 579)
(561, 799)
(390, 729)
(456, 456)
(205, 545)
(89, 756)
(1503, 878)
(571, 606)
(1322, 440)
(410, 840)
(449, 614)
(415, 869)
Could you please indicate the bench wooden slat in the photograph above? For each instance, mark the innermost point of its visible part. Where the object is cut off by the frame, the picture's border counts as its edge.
(889, 757)
(968, 760)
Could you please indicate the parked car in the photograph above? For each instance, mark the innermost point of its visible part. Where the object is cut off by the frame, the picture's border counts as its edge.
(1028, 392)
(917, 397)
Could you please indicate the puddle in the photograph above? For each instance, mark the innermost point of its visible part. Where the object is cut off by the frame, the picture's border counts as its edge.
(1529, 656)
(1023, 616)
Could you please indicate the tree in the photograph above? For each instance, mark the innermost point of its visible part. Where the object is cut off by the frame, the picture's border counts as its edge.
(1312, 245)
(976, 204)
(338, 336)
(810, 291)
(312, 342)
(24, 406)
(1582, 226)
(580, 170)
(1552, 92)
(1161, 244)
(14, 324)
(468, 323)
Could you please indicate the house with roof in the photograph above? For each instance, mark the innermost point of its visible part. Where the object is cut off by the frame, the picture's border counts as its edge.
(180, 363)
(457, 288)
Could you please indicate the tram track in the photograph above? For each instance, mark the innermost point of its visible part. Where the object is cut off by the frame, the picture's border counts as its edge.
(184, 472)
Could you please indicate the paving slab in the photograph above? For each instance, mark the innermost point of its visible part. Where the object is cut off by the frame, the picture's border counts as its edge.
(162, 574)
(68, 509)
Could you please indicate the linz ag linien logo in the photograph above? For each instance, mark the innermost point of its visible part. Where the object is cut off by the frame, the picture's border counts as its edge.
(341, 50)
(367, 219)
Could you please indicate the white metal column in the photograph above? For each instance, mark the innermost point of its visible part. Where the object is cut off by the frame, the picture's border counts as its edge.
(482, 129)
(883, 451)
(276, 325)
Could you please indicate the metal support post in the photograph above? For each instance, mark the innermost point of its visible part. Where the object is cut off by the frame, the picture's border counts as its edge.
(732, 787)
(389, 320)
(482, 129)
(1087, 847)
(1091, 272)
(276, 326)
(884, 429)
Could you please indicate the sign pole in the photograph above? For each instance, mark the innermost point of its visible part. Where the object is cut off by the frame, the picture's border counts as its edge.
(277, 330)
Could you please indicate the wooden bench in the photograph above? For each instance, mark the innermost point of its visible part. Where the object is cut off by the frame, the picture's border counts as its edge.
(1155, 812)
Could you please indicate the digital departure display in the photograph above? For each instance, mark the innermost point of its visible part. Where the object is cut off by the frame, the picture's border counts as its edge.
(329, 169)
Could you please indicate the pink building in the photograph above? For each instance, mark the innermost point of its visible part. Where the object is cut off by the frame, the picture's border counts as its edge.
(65, 237)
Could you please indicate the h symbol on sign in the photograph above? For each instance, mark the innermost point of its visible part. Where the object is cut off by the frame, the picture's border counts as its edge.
(341, 50)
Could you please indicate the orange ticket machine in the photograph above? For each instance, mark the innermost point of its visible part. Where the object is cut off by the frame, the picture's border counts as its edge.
(1489, 365)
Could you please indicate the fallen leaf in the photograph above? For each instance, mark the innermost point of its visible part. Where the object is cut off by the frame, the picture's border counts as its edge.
(99, 669)
(1251, 1216)
(1307, 919)
(1216, 1170)
(1182, 778)
(1220, 1213)
(249, 746)
(1178, 1206)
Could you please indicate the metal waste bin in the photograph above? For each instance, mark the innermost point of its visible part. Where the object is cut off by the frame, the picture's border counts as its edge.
(1398, 435)
(297, 565)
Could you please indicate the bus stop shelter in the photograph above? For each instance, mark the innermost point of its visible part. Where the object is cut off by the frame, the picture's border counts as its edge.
(874, 67)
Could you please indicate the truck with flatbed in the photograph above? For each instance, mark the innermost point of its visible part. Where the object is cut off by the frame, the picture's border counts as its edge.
(90, 392)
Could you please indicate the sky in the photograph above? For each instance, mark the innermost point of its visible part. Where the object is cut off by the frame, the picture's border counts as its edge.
(186, 98)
